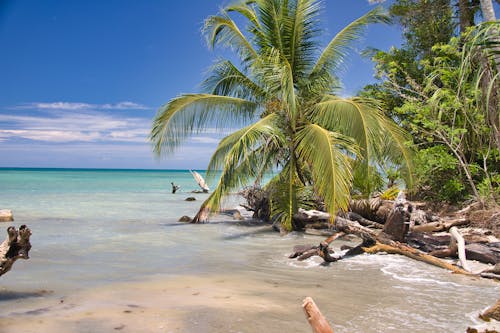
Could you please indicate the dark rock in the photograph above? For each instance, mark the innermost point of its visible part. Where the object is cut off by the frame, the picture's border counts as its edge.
(190, 199)
(185, 218)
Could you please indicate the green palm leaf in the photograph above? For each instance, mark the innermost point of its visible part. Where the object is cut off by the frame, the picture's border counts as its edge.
(236, 157)
(328, 155)
(222, 30)
(227, 80)
(192, 113)
(340, 46)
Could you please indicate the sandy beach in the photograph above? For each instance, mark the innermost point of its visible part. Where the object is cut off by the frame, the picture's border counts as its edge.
(178, 304)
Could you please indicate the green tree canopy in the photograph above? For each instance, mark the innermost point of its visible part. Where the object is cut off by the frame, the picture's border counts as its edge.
(284, 90)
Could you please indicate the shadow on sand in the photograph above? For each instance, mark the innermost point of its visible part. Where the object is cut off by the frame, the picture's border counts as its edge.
(8, 295)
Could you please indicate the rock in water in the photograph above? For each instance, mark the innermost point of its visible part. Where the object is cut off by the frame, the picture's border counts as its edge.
(185, 218)
(6, 215)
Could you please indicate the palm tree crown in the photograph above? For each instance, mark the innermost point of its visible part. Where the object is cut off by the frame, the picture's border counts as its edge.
(283, 93)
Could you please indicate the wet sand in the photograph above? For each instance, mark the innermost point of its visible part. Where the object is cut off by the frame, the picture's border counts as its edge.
(176, 304)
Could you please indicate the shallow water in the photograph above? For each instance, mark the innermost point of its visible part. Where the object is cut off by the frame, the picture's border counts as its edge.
(109, 255)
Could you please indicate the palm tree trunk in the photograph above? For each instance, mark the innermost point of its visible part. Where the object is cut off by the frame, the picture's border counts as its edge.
(466, 14)
(489, 16)
(488, 10)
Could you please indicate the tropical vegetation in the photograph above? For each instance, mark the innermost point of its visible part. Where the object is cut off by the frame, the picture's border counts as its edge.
(284, 95)
(443, 87)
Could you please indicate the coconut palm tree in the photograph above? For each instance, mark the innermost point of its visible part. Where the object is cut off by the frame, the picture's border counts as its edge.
(283, 93)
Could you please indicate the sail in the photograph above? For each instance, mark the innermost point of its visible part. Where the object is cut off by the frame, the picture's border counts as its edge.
(199, 179)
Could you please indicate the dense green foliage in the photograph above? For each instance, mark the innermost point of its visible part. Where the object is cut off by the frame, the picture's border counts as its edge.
(444, 89)
(284, 93)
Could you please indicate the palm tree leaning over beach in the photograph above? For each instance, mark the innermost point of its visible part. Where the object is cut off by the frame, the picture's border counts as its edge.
(283, 93)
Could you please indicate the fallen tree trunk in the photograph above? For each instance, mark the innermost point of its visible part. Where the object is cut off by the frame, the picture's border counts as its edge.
(440, 226)
(410, 252)
(318, 322)
(16, 246)
(374, 242)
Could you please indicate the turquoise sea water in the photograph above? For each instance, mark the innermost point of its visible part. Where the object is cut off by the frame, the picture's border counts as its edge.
(93, 228)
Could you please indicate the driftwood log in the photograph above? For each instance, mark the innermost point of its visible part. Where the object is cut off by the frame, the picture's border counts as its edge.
(390, 240)
(318, 322)
(16, 246)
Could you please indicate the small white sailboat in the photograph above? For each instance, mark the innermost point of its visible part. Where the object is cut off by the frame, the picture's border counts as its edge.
(201, 182)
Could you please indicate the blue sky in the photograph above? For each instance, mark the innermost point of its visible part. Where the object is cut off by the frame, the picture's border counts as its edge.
(81, 80)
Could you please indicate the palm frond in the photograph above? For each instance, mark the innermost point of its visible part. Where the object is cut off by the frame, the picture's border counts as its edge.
(363, 120)
(227, 80)
(328, 155)
(300, 31)
(274, 71)
(192, 113)
(222, 30)
(236, 157)
(270, 13)
(339, 47)
(235, 147)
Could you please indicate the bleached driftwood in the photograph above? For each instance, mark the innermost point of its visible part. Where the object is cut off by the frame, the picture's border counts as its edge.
(459, 240)
(318, 322)
(6, 215)
(16, 246)
(440, 225)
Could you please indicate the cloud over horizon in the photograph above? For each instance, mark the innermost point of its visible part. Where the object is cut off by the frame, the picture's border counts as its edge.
(72, 106)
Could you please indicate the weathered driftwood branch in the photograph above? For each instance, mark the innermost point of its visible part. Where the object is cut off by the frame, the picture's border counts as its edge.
(303, 252)
(16, 246)
(318, 322)
(6, 215)
(374, 242)
(440, 225)
(460, 244)
(397, 248)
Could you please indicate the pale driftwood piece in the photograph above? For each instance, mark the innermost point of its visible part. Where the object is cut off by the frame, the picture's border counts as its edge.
(318, 322)
(311, 215)
(318, 232)
(16, 246)
(457, 237)
(351, 227)
(440, 225)
(6, 215)
(492, 276)
(397, 248)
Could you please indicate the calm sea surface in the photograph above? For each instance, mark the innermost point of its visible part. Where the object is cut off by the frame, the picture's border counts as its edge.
(98, 228)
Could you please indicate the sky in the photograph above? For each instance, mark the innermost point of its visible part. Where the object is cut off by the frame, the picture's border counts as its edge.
(81, 80)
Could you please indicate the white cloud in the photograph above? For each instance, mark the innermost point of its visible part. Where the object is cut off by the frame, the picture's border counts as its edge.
(71, 106)
(57, 126)
(205, 140)
(51, 136)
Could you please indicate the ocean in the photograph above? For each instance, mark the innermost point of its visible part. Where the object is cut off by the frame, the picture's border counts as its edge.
(109, 253)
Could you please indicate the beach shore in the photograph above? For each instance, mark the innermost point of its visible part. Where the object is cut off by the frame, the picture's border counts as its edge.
(210, 303)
